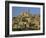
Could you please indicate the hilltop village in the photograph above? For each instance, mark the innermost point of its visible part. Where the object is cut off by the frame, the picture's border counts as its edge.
(26, 21)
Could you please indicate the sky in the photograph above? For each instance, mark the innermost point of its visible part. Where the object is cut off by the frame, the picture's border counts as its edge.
(17, 10)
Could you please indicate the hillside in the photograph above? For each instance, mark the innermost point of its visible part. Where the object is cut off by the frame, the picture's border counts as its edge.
(26, 21)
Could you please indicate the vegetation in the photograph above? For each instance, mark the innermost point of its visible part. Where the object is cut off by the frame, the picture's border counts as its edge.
(26, 21)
